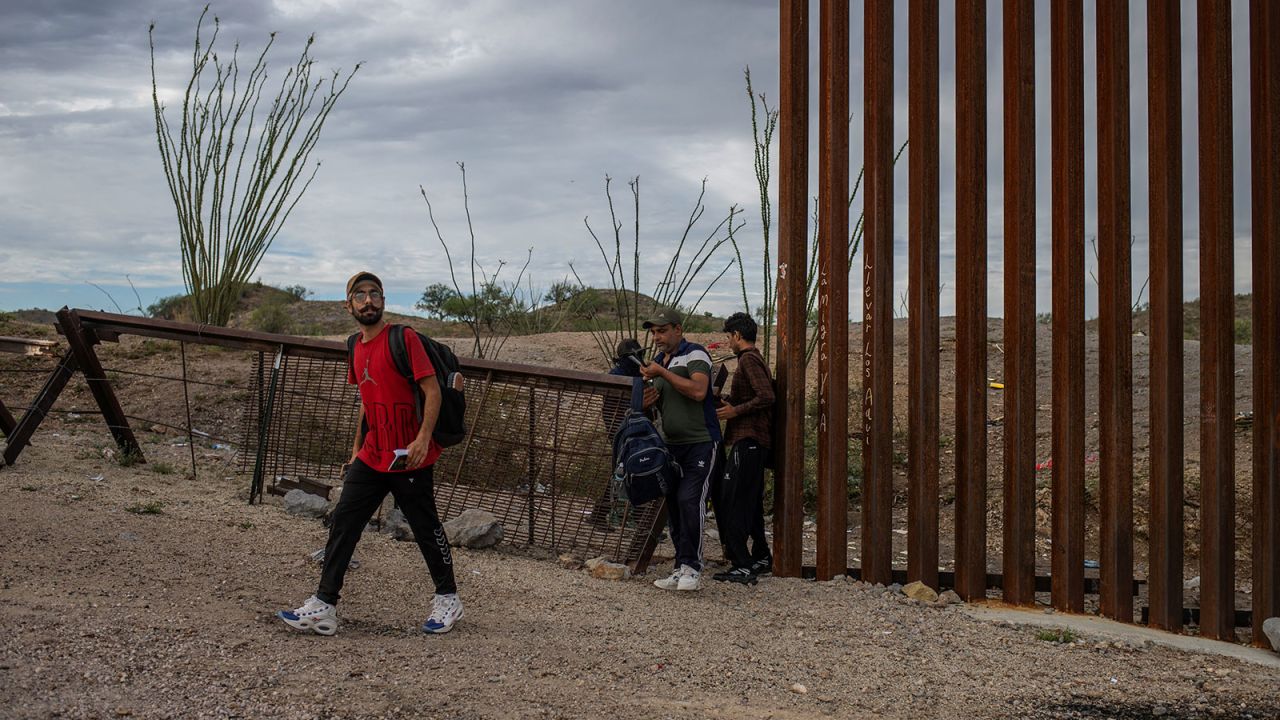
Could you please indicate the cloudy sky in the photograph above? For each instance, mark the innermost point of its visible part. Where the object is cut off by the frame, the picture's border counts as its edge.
(540, 100)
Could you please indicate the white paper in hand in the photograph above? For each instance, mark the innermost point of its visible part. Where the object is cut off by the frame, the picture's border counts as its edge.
(400, 461)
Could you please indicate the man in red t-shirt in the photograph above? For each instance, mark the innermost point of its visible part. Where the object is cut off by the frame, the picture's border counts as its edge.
(388, 426)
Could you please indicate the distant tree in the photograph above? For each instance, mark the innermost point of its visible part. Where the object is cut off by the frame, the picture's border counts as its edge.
(491, 307)
(236, 167)
(562, 292)
(435, 299)
(299, 292)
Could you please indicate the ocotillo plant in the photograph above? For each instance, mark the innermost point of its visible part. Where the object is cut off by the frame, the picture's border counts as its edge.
(626, 317)
(235, 173)
(762, 140)
(855, 242)
(490, 310)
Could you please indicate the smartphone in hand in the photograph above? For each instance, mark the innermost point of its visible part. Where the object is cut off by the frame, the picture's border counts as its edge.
(400, 462)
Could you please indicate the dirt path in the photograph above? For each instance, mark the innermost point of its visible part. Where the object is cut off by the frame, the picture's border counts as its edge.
(109, 611)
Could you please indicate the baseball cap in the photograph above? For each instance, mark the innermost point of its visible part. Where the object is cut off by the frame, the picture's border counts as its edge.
(664, 317)
(360, 277)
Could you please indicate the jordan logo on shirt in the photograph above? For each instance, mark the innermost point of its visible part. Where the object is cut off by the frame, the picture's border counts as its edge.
(367, 377)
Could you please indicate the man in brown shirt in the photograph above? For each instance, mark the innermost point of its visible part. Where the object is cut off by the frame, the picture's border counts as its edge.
(748, 416)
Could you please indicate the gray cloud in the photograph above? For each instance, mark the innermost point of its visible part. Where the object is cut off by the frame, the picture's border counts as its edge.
(539, 100)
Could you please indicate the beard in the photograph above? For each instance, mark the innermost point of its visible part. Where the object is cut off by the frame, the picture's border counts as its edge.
(367, 317)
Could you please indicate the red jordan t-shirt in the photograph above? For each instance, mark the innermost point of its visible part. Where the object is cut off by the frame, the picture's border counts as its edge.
(389, 401)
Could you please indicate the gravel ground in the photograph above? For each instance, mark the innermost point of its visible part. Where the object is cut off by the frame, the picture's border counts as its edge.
(148, 594)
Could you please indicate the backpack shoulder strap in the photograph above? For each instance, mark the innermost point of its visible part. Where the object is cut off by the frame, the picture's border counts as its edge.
(351, 349)
(400, 352)
(637, 394)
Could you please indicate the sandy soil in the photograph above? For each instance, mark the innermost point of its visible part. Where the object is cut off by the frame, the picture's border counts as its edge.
(108, 611)
(140, 591)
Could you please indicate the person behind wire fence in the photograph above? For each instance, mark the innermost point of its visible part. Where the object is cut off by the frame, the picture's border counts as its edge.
(681, 390)
(393, 452)
(628, 357)
(748, 435)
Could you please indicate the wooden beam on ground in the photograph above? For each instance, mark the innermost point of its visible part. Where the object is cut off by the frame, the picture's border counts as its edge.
(793, 241)
(25, 346)
(91, 368)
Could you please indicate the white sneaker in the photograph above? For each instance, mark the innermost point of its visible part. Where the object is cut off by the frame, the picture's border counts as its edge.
(315, 614)
(690, 579)
(445, 611)
(671, 582)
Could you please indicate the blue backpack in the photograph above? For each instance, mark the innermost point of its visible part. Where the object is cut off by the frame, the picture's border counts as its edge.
(640, 457)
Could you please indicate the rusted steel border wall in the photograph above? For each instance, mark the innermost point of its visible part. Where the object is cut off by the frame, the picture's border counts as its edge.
(1020, 581)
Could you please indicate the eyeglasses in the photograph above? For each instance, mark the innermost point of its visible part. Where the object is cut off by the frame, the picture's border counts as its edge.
(362, 295)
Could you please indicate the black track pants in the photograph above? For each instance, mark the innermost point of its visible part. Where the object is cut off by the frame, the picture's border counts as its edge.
(740, 507)
(362, 492)
(687, 499)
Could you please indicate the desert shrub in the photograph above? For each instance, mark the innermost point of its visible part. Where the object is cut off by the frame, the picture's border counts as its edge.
(1057, 635)
(810, 499)
(150, 347)
(299, 292)
(1243, 331)
(129, 459)
(272, 317)
(171, 307)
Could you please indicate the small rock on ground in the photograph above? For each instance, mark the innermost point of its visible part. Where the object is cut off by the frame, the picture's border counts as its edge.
(950, 597)
(474, 529)
(1272, 630)
(304, 504)
(919, 591)
(610, 571)
(397, 527)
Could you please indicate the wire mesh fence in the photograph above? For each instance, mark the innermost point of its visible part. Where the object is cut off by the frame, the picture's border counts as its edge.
(312, 420)
(538, 455)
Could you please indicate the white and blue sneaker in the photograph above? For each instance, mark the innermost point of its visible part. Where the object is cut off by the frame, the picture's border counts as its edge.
(682, 578)
(315, 614)
(670, 582)
(445, 611)
(690, 579)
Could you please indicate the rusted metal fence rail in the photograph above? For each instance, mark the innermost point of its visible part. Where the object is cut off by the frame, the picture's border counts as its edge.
(1022, 579)
(537, 454)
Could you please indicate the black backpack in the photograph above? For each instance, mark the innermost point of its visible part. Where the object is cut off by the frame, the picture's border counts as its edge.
(451, 427)
(640, 457)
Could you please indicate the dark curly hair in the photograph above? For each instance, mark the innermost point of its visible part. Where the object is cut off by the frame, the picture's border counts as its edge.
(742, 324)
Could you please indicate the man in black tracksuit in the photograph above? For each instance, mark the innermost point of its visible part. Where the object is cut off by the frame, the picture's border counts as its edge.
(748, 436)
